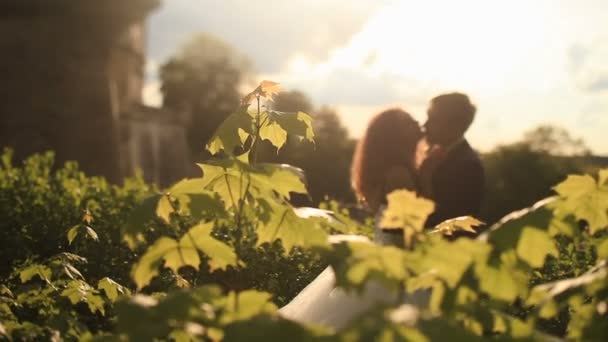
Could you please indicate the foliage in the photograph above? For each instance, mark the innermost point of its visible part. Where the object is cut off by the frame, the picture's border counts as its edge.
(519, 174)
(201, 81)
(238, 218)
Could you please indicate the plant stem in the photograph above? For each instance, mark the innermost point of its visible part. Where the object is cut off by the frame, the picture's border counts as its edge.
(254, 149)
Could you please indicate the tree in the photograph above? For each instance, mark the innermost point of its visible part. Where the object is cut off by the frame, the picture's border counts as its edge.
(292, 101)
(555, 141)
(522, 173)
(203, 81)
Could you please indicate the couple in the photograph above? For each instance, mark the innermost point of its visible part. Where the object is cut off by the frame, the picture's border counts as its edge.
(394, 154)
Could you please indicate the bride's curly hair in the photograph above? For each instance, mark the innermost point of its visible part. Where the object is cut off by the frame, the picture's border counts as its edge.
(389, 141)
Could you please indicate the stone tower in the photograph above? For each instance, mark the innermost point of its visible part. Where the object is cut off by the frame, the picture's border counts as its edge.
(68, 69)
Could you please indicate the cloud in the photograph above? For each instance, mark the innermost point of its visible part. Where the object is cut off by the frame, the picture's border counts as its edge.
(269, 32)
(588, 64)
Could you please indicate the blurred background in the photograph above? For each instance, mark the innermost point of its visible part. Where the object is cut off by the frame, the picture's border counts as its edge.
(142, 84)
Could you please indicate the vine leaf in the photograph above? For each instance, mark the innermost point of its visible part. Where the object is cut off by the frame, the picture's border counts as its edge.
(250, 303)
(355, 262)
(72, 233)
(534, 246)
(586, 199)
(112, 288)
(282, 222)
(274, 133)
(199, 237)
(79, 291)
(163, 249)
(463, 223)
(185, 252)
(602, 248)
(132, 231)
(231, 132)
(43, 272)
(193, 199)
(277, 125)
(406, 211)
(230, 179)
(448, 260)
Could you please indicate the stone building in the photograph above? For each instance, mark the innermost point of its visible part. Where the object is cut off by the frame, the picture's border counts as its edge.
(71, 76)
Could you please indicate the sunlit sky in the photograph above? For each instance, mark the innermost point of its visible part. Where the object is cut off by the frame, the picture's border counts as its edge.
(522, 62)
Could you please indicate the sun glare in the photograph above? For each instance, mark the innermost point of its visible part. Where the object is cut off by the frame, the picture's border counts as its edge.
(472, 43)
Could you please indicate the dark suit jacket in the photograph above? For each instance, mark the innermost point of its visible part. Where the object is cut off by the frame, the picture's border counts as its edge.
(458, 185)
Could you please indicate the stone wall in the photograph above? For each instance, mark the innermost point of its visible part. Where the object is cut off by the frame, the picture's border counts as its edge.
(68, 70)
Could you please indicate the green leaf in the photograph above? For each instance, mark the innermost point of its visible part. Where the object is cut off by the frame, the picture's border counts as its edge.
(281, 221)
(194, 200)
(280, 178)
(229, 135)
(165, 208)
(297, 124)
(534, 245)
(245, 305)
(463, 223)
(602, 248)
(72, 233)
(33, 270)
(274, 133)
(356, 262)
(147, 266)
(91, 233)
(228, 182)
(112, 288)
(584, 198)
(449, 260)
(407, 211)
(497, 281)
(79, 291)
(199, 238)
(132, 231)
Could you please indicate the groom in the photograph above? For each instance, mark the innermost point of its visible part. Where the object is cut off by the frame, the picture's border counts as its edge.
(444, 157)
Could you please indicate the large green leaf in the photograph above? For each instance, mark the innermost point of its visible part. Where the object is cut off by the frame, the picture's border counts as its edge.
(79, 291)
(194, 200)
(584, 198)
(229, 135)
(274, 133)
(406, 211)
(281, 222)
(132, 231)
(278, 125)
(232, 180)
(43, 272)
(534, 246)
(199, 237)
(185, 252)
(448, 260)
(228, 181)
(112, 288)
(165, 249)
(280, 178)
(245, 305)
(355, 262)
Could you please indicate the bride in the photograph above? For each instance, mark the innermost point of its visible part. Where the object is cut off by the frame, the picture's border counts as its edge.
(383, 162)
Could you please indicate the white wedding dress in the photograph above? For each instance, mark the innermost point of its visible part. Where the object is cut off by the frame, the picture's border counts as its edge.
(322, 303)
